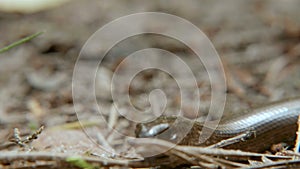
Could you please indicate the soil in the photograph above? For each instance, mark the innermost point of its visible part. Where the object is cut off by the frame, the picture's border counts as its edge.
(257, 42)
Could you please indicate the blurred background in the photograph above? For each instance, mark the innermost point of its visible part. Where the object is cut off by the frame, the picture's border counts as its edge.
(258, 42)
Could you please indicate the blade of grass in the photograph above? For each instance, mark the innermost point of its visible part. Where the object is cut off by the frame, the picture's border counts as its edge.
(79, 162)
(21, 41)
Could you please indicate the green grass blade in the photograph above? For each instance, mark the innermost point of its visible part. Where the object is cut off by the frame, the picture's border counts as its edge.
(21, 41)
(79, 162)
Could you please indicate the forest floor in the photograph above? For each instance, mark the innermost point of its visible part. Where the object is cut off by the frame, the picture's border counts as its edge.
(257, 42)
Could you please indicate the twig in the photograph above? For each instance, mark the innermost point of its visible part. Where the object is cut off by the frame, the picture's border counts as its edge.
(113, 118)
(165, 145)
(236, 139)
(104, 142)
(24, 142)
(60, 159)
(17, 139)
(291, 153)
(34, 135)
(282, 164)
(297, 144)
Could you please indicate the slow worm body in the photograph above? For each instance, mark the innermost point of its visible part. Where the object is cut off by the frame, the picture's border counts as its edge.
(271, 124)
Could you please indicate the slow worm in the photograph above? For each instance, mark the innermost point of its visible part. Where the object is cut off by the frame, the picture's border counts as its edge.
(271, 124)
